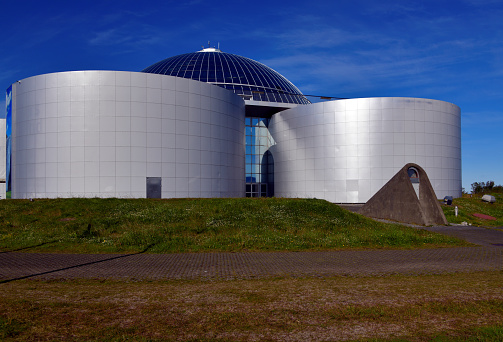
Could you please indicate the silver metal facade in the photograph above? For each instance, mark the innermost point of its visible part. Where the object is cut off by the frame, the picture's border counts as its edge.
(102, 133)
(3, 159)
(344, 151)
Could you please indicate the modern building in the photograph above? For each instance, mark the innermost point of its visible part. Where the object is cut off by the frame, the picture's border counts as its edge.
(3, 160)
(214, 124)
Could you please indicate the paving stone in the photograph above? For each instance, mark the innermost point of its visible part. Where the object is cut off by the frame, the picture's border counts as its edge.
(488, 256)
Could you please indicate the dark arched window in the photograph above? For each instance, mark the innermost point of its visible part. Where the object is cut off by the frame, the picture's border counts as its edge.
(413, 174)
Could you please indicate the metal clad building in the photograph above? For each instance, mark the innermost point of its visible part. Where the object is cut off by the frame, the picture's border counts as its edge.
(213, 124)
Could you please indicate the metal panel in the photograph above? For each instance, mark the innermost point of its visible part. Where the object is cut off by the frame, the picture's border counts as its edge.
(154, 187)
(366, 150)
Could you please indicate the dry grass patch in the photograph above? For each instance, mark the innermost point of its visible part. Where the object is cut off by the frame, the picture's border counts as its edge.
(286, 309)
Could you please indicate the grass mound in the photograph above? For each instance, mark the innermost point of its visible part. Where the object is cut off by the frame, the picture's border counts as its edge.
(471, 204)
(197, 225)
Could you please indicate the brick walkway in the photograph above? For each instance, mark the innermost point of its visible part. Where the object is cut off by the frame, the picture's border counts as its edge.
(488, 256)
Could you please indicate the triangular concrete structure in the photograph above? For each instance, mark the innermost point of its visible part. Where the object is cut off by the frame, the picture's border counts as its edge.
(399, 201)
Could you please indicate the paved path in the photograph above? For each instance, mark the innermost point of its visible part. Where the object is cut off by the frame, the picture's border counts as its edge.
(488, 256)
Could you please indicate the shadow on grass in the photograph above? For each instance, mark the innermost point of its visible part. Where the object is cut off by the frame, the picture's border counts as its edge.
(25, 248)
(76, 266)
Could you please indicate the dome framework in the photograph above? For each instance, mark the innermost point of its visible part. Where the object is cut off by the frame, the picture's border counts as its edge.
(245, 77)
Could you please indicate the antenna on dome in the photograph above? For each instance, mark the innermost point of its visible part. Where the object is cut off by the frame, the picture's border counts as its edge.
(209, 48)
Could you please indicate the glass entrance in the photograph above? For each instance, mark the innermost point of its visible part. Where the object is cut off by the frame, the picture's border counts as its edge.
(259, 160)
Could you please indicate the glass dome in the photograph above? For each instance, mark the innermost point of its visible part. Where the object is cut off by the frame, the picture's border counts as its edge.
(248, 78)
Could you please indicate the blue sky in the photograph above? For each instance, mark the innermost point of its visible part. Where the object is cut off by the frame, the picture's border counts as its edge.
(445, 50)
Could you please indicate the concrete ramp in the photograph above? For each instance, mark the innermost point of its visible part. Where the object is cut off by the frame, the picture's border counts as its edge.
(407, 197)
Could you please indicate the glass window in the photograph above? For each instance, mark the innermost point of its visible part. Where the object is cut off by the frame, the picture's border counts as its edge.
(413, 175)
(414, 179)
(257, 159)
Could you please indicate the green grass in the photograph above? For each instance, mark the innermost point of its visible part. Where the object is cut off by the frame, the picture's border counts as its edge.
(484, 334)
(197, 225)
(471, 204)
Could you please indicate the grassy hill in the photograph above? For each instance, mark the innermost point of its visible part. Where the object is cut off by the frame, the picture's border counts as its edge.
(197, 225)
(472, 204)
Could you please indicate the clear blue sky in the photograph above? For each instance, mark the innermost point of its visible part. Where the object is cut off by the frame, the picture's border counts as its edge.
(445, 50)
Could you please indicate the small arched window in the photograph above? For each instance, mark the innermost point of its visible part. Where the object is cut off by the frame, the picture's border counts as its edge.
(413, 174)
(414, 178)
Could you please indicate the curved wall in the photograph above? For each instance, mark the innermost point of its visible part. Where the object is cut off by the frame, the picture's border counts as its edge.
(344, 151)
(101, 133)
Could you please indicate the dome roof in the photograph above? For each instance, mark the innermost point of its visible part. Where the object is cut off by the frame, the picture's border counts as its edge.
(248, 78)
